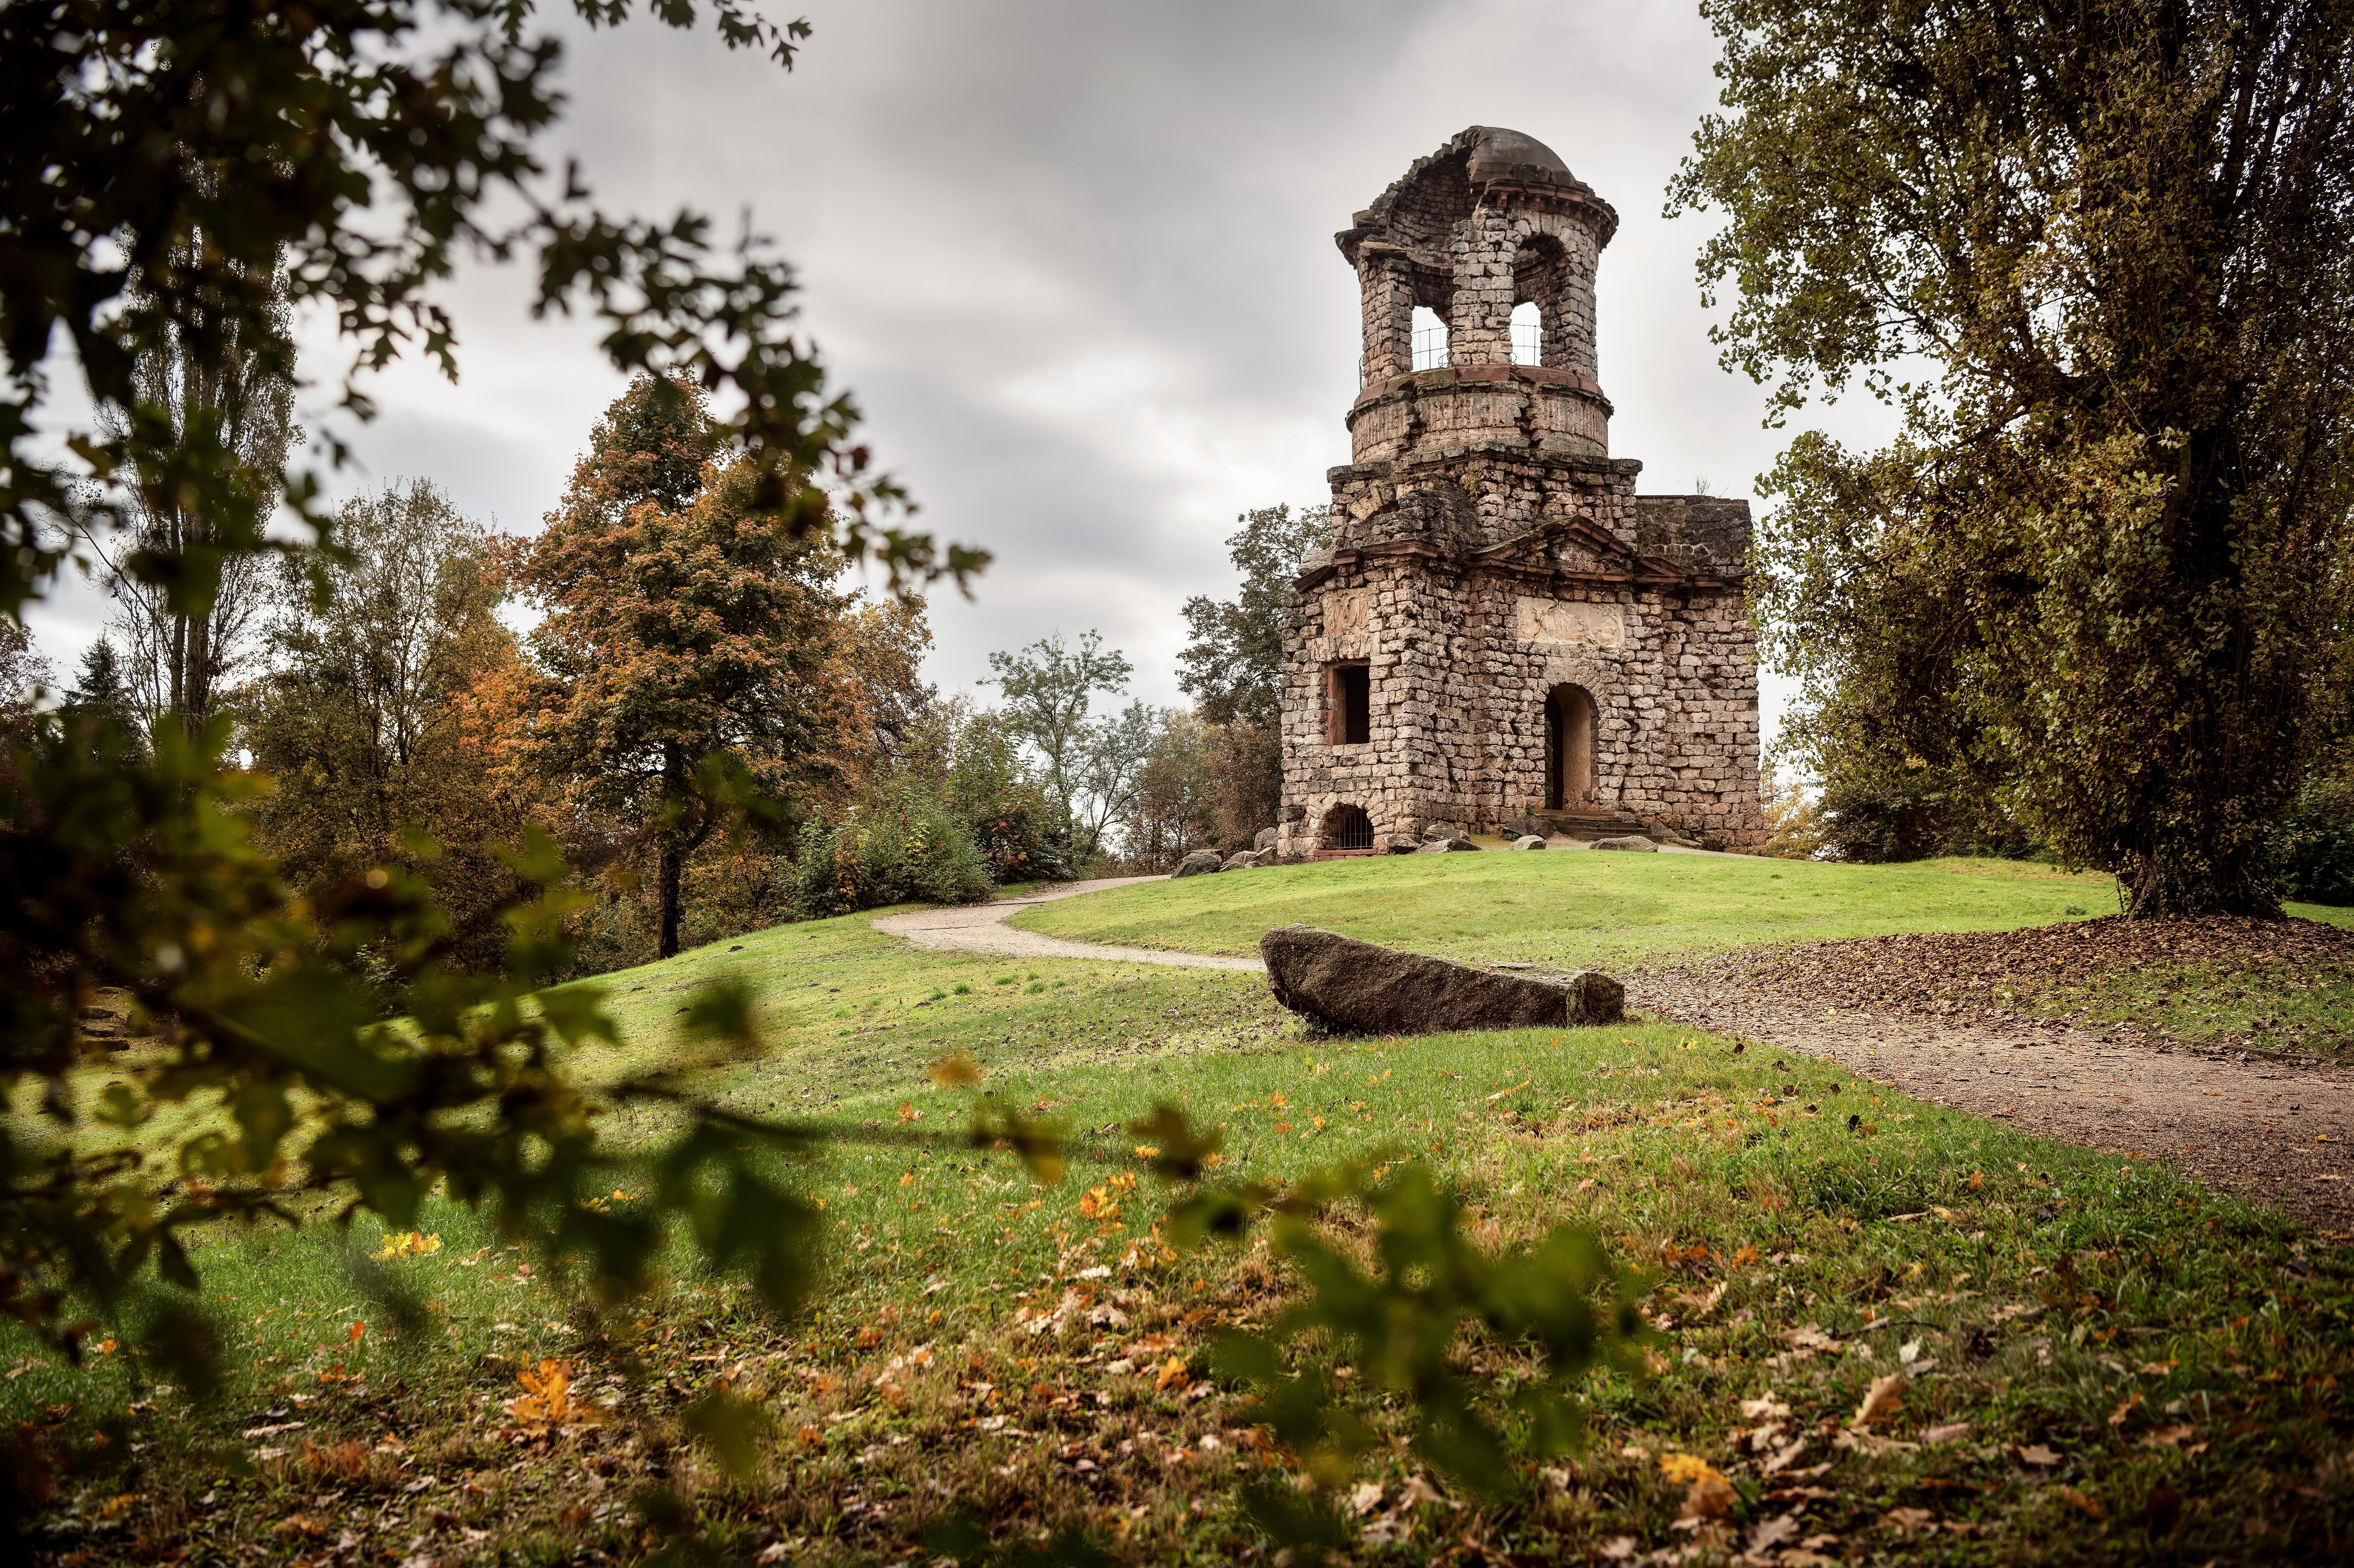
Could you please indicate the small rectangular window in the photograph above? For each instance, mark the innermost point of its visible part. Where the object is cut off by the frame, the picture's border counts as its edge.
(1349, 703)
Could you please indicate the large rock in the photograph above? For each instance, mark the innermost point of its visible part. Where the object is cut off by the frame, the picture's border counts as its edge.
(1267, 837)
(1444, 831)
(1357, 986)
(1200, 863)
(1631, 842)
(1398, 843)
(1244, 858)
(1528, 841)
(1446, 847)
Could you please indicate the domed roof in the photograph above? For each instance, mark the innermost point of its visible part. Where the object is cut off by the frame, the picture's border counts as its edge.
(1496, 145)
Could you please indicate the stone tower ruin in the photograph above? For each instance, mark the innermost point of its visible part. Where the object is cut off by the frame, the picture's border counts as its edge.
(1503, 631)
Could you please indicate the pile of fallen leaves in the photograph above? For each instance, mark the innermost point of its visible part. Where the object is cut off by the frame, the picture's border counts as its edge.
(1963, 976)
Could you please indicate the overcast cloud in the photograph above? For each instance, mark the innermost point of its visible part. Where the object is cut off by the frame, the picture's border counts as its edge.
(1075, 262)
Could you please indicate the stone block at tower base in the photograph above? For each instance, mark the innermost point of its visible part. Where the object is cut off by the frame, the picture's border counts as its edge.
(1357, 986)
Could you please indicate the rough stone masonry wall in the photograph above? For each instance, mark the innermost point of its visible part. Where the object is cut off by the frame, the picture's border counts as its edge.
(1458, 728)
(1675, 708)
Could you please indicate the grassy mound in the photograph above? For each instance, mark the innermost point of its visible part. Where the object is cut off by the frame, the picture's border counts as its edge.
(2097, 1361)
(1575, 906)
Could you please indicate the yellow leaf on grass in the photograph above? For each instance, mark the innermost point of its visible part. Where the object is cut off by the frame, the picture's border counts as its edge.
(405, 1245)
(2124, 1408)
(1708, 1494)
(547, 1397)
(1172, 1374)
(1686, 1468)
(1881, 1401)
(356, 1331)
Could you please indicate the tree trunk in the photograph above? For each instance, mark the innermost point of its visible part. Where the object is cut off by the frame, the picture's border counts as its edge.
(672, 857)
(2158, 886)
(197, 692)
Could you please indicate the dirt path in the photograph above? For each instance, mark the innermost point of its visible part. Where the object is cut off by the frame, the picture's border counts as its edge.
(981, 928)
(2269, 1131)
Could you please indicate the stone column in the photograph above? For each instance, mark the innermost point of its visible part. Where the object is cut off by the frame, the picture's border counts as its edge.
(1386, 281)
(1480, 325)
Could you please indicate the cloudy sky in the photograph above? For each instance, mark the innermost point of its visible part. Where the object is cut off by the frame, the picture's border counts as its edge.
(1076, 261)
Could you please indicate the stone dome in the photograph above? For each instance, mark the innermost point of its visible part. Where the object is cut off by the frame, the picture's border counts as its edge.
(1498, 147)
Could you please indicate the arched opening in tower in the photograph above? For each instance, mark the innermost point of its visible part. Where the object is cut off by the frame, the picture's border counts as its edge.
(1429, 340)
(1528, 333)
(1345, 827)
(1569, 748)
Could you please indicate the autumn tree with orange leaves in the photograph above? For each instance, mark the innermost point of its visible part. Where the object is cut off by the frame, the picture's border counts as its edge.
(690, 643)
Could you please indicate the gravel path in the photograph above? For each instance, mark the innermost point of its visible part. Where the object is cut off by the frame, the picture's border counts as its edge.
(981, 928)
(2270, 1130)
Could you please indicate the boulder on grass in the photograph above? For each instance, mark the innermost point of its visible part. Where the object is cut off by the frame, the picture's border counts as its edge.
(1431, 831)
(1267, 837)
(1357, 986)
(1398, 843)
(1242, 860)
(1200, 863)
(1446, 847)
(1525, 827)
(1640, 844)
(1527, 842)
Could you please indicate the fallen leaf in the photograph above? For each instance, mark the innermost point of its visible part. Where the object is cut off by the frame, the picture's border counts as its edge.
(1768, 1533)
(1709, 1499)
(2036, 1454)
(2124, 1408)
(356, 1331)
(1172, 1374)
(1909, 1519)
(547, 1397)
(2079, 1501)
(1687, 1467)
(1945, 1433)
(1881, 1401)
(1617, 1549)
(2170, 1436)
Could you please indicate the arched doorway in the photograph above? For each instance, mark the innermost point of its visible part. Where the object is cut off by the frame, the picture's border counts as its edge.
(1345, 828)
(1569, 749)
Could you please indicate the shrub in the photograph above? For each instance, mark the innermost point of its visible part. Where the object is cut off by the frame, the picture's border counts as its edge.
(910, 851)
(2313, 848)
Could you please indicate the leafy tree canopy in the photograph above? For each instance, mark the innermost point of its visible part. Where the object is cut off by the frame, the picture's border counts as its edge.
(2102, 577)
(1234, 667)
(672, 636)
(174, 176)
(1048, 688)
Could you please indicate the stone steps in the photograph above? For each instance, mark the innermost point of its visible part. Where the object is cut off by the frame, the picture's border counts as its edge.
(1590, 824)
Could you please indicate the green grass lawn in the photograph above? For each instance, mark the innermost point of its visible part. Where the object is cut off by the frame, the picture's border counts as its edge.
(2107, 1364)
(1575, 908)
